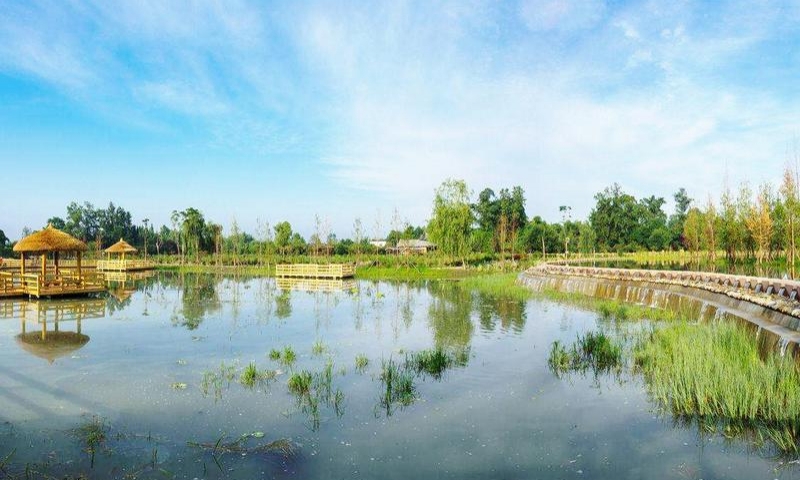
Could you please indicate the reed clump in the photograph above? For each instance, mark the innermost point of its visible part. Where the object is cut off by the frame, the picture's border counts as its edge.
(716, 371)
(501, 285)
(594, 350)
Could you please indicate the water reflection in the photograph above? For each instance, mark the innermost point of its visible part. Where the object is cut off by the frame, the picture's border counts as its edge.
(51, 341)
(199, 298)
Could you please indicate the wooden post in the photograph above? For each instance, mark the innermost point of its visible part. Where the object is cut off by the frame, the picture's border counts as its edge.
(22, 264)
(44, 270)
(55, 258)
(79, 267)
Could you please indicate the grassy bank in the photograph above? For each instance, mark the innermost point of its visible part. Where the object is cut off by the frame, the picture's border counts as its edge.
(498, 285)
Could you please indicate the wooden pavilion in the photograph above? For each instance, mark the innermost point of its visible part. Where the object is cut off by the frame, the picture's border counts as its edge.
(121, 264)
(50, 281)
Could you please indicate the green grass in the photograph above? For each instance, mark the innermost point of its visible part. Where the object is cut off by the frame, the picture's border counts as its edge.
(288, 357)
(318, 348)
(251, 376)
(275, 354)
(594, 350)
(501, 285)
(398, 386)
(218, 380)
(716, 371)
(361, 362)
(432, 362)
(300, 383)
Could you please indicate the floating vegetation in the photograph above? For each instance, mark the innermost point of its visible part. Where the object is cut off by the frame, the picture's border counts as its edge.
(361, 362)
(716, 373)
(288, 357)
(179, 386)
(217, 381)
(594, 350)
(398, 386)
(318, 348)
(275, 354)
(283, 447)
(92, 435)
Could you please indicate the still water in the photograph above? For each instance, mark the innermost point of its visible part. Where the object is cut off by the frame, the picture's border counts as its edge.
(155, 367)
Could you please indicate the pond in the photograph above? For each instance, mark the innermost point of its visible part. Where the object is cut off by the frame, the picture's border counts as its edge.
(151, 382)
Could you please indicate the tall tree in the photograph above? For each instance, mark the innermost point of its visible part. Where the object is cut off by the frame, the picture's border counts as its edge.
(759, 222)
(791, 201)
(451, 220)
(614, 218)
(283, 234)
(682, 204)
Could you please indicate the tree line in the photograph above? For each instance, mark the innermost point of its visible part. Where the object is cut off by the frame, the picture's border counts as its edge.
(494, 224)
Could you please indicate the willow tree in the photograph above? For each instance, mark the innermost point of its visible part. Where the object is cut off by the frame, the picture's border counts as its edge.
(451, 221)
(693, 226)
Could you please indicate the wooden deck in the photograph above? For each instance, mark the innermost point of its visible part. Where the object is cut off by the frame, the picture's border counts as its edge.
(313, 270)
(66, 283)
(123, 265)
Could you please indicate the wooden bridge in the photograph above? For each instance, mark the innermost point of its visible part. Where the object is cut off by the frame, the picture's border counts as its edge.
(314, 270)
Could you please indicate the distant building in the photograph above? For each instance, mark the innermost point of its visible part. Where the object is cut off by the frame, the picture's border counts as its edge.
(414, 246)
(379, 244)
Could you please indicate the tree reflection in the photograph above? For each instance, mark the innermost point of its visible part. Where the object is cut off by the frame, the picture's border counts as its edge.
(449, 314)
(198, 300)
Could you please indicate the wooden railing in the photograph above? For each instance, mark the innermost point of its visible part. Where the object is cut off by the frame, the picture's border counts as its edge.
(313, 270)
(123, 265)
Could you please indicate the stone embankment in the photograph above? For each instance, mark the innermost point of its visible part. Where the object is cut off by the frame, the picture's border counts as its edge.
(781, 295)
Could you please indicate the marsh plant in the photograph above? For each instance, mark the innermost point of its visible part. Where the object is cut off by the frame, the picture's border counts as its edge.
(318, 348)
(92, 435)
(217, 381)
(251, 376)
(314, 389)
(361, 363)
(436, 361)
(397, 380)
(717, 371)
(594, 350)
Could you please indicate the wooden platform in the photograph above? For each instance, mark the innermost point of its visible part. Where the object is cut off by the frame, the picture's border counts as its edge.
(66, 283)
(314, 270)
(123, 265)
(314, 284)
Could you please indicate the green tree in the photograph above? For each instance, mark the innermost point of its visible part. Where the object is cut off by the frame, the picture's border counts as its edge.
(614, 218)
(5, 247)
(682, 204)
(283, 234)
(451, 221)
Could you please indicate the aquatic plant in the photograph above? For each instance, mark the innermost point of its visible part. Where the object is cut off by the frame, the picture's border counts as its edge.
(217, 381)
(717, 371)
(398, 385)
(593, 350)
(283, 446)
(250, 375)
(92, 435)
(433, 362)
(289, 357)
(361, 362)
(300, 383)
(275, 354)
(318, 348)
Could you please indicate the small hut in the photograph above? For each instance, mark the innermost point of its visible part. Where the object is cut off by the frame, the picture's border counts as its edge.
(53, 242)
(120, 264)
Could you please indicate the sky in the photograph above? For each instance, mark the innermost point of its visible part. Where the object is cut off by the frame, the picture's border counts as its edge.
(269, 111)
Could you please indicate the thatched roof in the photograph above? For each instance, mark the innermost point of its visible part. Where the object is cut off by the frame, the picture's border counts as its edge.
(55, 344)
(49, 240)
(121, 247)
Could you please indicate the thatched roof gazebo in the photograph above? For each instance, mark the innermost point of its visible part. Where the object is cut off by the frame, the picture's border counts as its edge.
(53, 241)
(121, 248)
(49, 240)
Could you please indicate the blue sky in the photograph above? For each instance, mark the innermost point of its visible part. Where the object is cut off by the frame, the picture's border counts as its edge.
(288, 110)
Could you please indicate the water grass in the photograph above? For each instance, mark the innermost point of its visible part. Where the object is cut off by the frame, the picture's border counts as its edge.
(252, 376)
(398, 386)
(217, 380)
(275, 354)
(318, 348)
(717, 371)
(612, 309)
(283, 447)
(361, 362)
(300, 382)
(92, 435)
(432, 362)
(594, 350)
